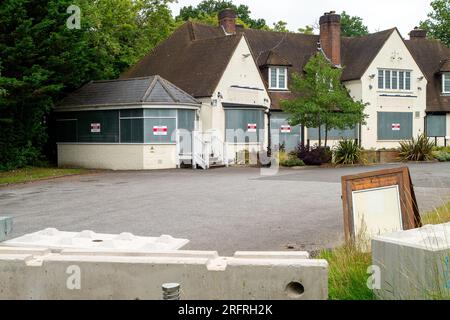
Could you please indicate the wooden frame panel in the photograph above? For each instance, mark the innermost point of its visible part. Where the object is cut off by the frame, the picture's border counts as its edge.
(378, 179)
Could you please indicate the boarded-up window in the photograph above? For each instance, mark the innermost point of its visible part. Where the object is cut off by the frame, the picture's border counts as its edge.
(282, 134)
(66, 130)
(436, 126)
(240, 125)
(394, 125)
(333, 134)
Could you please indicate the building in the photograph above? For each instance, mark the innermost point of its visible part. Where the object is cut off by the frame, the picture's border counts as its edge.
(239, 77)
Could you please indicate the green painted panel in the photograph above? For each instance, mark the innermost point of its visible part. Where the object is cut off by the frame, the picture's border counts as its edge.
(131, 130)
(109, 126)
(333, 134)
(82, 120)
(236, 125)
(289, 140)
(66, 130)
(160, 113)
(389, 122)
(132, 113)
(436, 125)
(151, 137)
(186, 119)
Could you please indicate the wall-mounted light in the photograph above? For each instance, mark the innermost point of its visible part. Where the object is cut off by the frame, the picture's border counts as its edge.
(372, 76)
(420, 78)
(419, 88)
(219, 95)
(214, 102)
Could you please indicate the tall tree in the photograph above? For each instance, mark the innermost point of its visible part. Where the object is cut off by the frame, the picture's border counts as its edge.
(322, 100)
(438, 22)
(352, 26)
(207, 10)
(42, 59)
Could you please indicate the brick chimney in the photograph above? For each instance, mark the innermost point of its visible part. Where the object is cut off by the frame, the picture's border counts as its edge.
(417, 33)
(227, 20)
(330, 36)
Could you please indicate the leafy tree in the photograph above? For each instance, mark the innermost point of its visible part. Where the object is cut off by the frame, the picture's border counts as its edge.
(352, 26)
(280, 26)
(438, 22)
(42, 60)
(322, 100)
(306, 30)
(207, 10)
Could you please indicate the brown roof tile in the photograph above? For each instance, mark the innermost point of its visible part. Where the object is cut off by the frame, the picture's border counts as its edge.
(431, 55)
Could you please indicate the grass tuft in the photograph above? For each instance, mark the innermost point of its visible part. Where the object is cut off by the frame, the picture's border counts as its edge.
(35, 173)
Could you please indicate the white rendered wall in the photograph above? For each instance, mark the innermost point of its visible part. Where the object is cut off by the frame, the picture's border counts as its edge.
(117, 156)
(393, 55)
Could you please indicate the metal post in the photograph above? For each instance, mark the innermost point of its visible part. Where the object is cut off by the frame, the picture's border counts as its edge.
(171, 291)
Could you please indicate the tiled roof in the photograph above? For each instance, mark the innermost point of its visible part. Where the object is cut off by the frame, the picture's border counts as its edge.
(146, 90)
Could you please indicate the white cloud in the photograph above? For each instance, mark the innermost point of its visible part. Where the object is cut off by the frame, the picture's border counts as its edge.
(377, 15)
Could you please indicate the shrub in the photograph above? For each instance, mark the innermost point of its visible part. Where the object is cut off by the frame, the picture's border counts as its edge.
(441, 156)
(347, 152)
(292, 162)
(420, 149)
(314, 156)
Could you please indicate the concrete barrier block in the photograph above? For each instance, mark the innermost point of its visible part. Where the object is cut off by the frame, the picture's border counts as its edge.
(414, 264)
(5, 227)
(58, 240)
(139, 275)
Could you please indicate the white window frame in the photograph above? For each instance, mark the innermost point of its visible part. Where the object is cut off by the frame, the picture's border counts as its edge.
(277, 87)
(399, 80)
(445, 75)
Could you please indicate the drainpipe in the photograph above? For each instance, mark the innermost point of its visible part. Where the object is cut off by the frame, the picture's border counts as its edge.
(269, 139)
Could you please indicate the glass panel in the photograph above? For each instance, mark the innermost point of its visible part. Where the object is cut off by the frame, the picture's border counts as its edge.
(282, 78)
(401, 80)
(388, 79)
(446, 84)
(160, 130)
(380, 79)
(273, 77)
(132, 130)
(394, 80)
(408, 80)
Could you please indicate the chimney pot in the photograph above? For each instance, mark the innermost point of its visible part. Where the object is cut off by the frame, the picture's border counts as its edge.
(227, 20)
(330, 36)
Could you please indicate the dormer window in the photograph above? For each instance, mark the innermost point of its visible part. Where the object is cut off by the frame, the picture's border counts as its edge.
(446, 83)
(278, 78)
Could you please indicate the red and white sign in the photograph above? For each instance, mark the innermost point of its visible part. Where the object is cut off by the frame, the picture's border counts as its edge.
(251, 127)
(160, 130)
(95, 128)
(396, 127)
(285, 128)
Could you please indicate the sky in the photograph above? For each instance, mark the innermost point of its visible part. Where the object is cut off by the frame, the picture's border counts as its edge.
(376, 14)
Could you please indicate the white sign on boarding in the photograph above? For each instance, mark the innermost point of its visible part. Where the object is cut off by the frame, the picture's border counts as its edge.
(95, 128)
(285, 128)
(160, 130)
(396, 127)
(251, 127)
